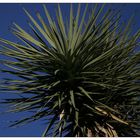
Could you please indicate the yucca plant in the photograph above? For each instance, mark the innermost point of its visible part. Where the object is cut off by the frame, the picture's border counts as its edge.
(82, 76)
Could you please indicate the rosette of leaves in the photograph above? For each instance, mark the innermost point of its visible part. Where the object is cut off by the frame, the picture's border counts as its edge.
(80, 75)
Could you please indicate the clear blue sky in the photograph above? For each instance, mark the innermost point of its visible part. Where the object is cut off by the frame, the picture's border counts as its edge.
(10, 13)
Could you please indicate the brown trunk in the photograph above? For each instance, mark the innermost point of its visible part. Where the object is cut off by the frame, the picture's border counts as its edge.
(61, 116)
(89, 133)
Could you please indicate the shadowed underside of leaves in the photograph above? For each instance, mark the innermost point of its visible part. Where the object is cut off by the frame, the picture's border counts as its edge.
(82, 76)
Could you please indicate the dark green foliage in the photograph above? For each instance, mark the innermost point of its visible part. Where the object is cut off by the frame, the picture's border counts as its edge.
(87, 78)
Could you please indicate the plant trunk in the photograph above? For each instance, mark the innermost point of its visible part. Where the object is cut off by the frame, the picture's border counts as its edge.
(61, 116)
(89, 133)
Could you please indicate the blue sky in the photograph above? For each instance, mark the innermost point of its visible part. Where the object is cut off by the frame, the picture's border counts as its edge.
(10, 13)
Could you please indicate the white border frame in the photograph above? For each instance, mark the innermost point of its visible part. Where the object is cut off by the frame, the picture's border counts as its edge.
(70, 1)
